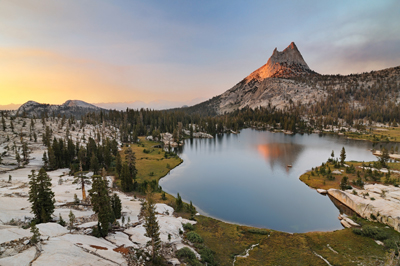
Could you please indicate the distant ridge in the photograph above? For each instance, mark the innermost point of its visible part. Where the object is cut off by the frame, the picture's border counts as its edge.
(75, 108)
(78, 103)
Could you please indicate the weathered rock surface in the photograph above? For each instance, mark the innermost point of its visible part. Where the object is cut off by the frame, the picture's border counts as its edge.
(385, 207)
(198, 134)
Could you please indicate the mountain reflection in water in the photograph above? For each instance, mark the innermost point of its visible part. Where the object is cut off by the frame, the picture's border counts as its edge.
(283, 153)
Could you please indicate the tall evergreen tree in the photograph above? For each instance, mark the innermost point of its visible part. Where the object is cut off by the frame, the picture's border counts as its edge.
(385, 157)
(116, 206)
(18, 158)
(126, 179)
(94, 164)
(130, 158)
(81, 179)
(148, 212)
(342, 156)
(41, 196)
(118, 164)
(45, 160)
(178, 202)
(101, 204)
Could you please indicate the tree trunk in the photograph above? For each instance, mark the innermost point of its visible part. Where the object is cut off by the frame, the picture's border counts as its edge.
(83, 191)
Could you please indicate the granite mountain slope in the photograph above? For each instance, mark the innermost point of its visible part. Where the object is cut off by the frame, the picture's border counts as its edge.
(71, 107)
(286, 79)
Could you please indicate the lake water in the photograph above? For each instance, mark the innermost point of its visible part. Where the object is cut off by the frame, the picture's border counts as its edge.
(244, 178)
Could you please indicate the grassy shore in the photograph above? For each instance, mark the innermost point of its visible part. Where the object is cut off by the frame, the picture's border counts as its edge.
(317, 180)
(391, 134)
(152, 164)
(341, 247)
(150, 161)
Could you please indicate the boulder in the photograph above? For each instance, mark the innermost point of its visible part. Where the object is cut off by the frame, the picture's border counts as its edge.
(386, 208)
(345, 224)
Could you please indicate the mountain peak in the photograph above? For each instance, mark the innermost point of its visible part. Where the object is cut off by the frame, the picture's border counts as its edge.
(287, 63)
(292, 45)
(79, 103)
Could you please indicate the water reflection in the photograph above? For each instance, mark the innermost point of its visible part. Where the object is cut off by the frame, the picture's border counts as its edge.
(283, 154)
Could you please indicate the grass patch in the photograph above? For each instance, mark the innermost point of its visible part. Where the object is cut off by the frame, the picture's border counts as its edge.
(391, 134)
(151, 162)
(279, 248)
(317, 180)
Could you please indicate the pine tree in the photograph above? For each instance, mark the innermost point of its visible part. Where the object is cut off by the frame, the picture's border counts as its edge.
(344, 183)
(126, 179)
(80, 178)
(116, 206)
(35, 234)
(45, 160)
(101, 203)
(18, 158)
(61, 221)
(192, 209)
(178, 202)
(52, 158)
(148, 212)
(385, 157)
(94, 164)
(342, 156)
(25, 151)
(41, 196)
(118, 164)
(131, 161)
(71, 217)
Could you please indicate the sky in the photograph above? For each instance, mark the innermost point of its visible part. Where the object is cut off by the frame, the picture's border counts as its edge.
(179, 51)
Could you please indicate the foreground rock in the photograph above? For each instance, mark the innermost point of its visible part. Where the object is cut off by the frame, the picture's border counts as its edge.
(375, 203)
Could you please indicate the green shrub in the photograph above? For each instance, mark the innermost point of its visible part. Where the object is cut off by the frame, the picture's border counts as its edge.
(188, 227)
(357, 231)
(258, 231)
(61, 221)
(390, 244)
(185, 253)
(207, 255)
(194, 237)
(372, 232)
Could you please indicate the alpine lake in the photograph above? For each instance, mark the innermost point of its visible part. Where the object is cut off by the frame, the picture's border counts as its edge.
(252, 178)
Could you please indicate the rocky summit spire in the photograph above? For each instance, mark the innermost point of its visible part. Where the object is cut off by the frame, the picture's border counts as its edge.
(287, 63)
